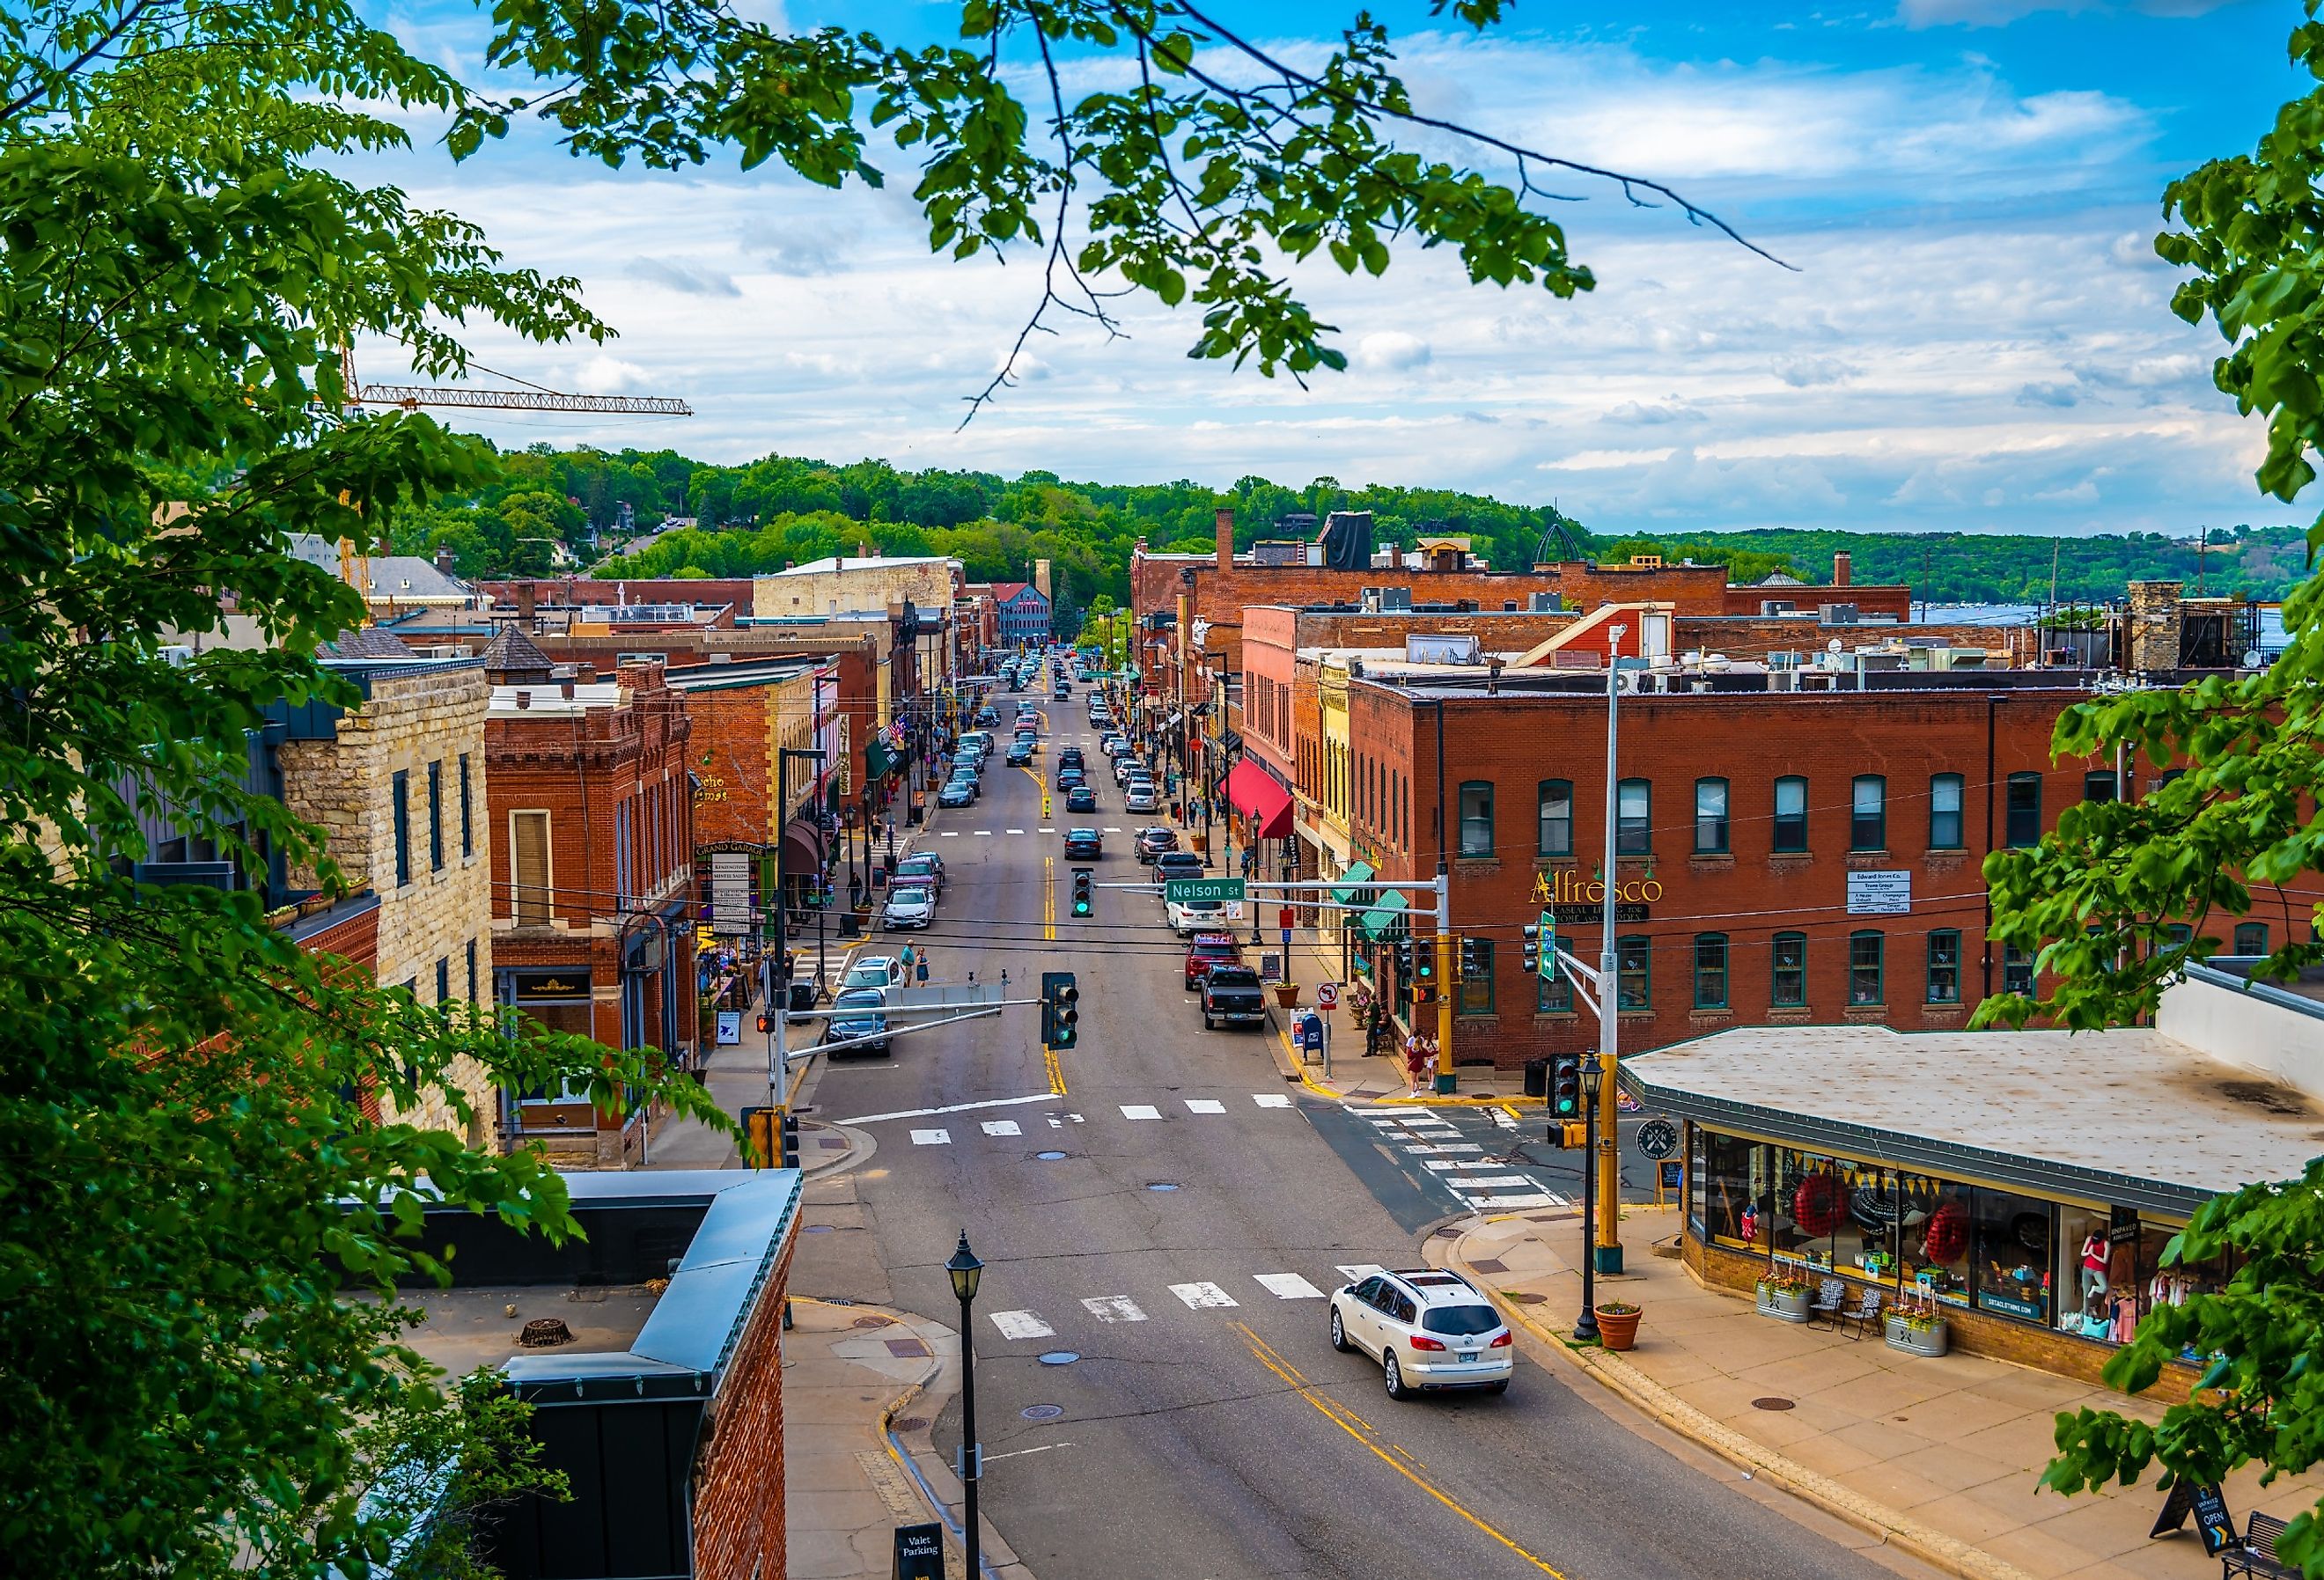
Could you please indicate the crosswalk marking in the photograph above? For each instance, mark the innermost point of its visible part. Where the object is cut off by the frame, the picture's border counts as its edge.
(1204, 1105)
(1440, 1165)
(1113, 1308)
(1287, 1286)
(1271, 1099)
(1110, 829)
(1001, 1127)
(1022, 1324)
(1356, 1272)
(1421, 1149)
(1048, 831)
(982, 833)
(932, 1138)
(1505, 1119)
(1016, 831)
(1139, 1111)
(1470, 1182)
(1198, 1296)
(948, 834)
(1539, 1198)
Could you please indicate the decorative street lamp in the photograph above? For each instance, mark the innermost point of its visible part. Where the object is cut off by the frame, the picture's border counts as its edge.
(965, 1271)
(1593, 1074)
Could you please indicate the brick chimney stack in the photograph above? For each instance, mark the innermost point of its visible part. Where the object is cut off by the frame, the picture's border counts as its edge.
(1226, 538)
(526, 598)
(1839, 568)
(444, 558)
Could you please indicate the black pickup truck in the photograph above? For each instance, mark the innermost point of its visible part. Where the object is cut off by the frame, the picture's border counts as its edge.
(1231, 994)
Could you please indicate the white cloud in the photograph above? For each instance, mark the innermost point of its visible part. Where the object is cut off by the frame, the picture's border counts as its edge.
(1392, 350)
(1650, 413)
(679, 275)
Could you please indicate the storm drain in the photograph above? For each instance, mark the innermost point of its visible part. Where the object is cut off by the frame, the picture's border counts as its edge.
(1060, 1357)
(1042, 1412)
(1771, 1404)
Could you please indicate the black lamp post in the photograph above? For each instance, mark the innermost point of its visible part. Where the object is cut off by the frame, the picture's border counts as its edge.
(1586, 1330)
(965, 1270)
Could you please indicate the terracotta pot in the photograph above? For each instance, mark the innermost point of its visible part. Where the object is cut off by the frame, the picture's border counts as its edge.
(1617, 1330)
(1286, 995)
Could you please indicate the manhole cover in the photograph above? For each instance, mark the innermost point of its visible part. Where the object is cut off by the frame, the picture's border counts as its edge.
(1048, 1157)
(820, 1228)
(1448, 1233)
(1771, 1404)
(912, 1424)
(1060, 1357)
(1042, 1412)
(1160, 1184)
(871, 1322)
(1527, 1297)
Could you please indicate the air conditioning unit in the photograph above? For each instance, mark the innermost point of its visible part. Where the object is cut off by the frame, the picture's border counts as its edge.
(1396, 600)
(1543, 604)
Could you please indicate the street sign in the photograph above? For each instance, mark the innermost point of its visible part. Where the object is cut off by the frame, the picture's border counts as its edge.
(1659, 1139)
(1179, 891)
(1286, 918)
(1327, 995)
(920, 1553)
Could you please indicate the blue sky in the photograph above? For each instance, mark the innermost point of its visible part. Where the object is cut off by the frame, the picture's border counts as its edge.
(1976, 337)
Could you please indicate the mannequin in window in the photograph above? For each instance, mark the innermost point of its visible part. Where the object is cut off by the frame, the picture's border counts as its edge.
(2096, 1258)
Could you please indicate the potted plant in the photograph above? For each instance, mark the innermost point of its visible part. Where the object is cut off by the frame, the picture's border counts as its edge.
(1916, 1328)
(1783, 1294)
(1617, 1324)
(1286, 995)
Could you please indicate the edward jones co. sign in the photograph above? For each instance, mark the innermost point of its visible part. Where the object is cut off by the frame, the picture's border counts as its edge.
(1571, 897)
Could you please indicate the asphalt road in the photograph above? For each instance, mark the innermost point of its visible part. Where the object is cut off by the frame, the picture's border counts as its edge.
(1156, 1391)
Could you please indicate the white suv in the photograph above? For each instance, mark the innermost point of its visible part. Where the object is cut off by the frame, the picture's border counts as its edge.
(1430, 1328)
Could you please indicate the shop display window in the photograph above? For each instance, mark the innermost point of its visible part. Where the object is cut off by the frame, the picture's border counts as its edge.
(1808, 1219)
(1730, 1178)
(1933, 1234)
(2012, 1254)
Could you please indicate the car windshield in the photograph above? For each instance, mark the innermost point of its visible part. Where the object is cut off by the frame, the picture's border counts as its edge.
(1462, 1320)
(860, 998)
(872, 973)
(1233, 976)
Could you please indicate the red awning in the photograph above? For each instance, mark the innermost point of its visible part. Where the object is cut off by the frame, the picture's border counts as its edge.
(1255, 794)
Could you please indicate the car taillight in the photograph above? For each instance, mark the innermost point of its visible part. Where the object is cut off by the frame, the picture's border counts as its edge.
(1505, 1338)
(1421, 1341)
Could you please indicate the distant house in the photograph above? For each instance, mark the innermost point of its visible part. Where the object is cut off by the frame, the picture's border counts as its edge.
(1024, 611)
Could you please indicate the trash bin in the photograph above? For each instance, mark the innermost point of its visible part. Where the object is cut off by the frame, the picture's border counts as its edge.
(1536, 1077)
(802, 996)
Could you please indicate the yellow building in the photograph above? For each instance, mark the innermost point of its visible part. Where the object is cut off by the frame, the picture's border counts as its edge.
(857, 584)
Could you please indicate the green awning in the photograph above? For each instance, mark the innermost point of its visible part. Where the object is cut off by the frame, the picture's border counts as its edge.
(1382, 916)
(879, 760)
(1353, 880)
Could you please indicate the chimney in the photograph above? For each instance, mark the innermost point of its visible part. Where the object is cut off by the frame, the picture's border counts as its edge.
(1839, 568)
(584, 673)
(568, 689)
(1041, 577)
(1226, 538)
(524, 697)
(444, 558)
(525, 597)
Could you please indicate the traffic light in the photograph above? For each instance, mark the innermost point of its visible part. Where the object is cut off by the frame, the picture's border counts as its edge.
(1404, 960)
(765, 1021)
(1424, 973)
(1565, 1087)
(1058, 1015)
(1573, 1135)
(791, 1138)
(1471, 959)
(1081, 892)
(1549, 943)
(774, 1137)
(1532, 949)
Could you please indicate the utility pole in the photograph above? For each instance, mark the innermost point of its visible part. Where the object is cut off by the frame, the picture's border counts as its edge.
(1445, 1080)
(1607, 1162)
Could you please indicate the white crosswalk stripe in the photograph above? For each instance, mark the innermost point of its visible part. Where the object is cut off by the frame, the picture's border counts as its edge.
(1016, 831)
(1113, 1308)
(1491, 1182)
(1199, 1296)
(1539, 1198)
(1001, 1127)
(982, 833)
(1505, 1119)
(1271, 1099)
(932, 1138)
(948, 834)
(1204, 1105)
(1420, 1148)
(1439, 1165)
(1022, 1324)
(1139, 1111)
(1287, 1286)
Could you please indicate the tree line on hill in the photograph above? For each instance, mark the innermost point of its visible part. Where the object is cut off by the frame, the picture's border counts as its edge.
(780, 509)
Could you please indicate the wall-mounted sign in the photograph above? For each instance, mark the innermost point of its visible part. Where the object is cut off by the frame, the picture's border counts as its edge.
(1879, 893)
(1588, 915)
(551, 984)
(730, 892)
(1563, 888)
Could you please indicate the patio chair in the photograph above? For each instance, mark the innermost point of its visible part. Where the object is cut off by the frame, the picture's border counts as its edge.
(1866, 1314)
(1829, 1302)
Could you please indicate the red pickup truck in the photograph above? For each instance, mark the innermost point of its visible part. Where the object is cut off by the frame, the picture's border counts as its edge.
(1207, 950)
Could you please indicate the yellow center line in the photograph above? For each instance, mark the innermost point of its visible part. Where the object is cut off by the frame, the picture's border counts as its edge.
(1354, 1427)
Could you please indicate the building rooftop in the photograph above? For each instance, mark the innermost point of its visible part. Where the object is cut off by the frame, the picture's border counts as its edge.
(846, 562)
(473, 1327)
(2129, 1116)
(548, 699)
(394, 577)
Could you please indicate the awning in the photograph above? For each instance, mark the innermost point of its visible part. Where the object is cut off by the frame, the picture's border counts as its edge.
(1352, 882)
(1171, 723)
(1376, 921)
(1255, 794)
(802, 848)
(879, 760)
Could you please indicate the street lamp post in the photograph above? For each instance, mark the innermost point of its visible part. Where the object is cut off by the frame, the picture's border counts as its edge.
(1586, 1330)
(966, 1270)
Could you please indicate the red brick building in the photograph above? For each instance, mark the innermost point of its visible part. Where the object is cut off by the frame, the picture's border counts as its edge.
(593, 875)
(1788, 856)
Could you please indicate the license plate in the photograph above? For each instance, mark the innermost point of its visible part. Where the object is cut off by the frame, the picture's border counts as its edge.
(1468, 1354)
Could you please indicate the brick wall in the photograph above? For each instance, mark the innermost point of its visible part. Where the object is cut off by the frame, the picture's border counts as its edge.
(739, 1510)
(1753, 637)
(561, 590)
(430, 714)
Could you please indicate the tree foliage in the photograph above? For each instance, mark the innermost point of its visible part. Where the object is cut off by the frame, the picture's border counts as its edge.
(2099, 899)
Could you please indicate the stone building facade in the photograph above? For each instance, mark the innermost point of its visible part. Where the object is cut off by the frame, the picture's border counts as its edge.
(398, 785)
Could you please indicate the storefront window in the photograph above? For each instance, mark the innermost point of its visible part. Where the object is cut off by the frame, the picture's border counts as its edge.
(2013, 1255)
(1731, 1180)
(1933, 1234)
(2097, 1277)
(1811, 1206)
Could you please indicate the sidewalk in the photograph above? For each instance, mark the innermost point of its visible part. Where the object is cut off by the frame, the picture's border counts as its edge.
(1939, 1458)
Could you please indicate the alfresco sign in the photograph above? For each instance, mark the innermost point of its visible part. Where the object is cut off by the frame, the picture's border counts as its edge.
(1573, 888)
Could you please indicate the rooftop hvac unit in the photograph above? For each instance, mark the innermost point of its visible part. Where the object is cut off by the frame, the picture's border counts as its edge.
(1836, 614)
(1783, 679)
(1769, 607)
(1398, 600)
(1543, 604)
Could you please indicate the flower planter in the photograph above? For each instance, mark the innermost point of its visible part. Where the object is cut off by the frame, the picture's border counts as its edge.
(1783, 1305)
(1916, 1341)
(1286, 995)
(1617, 1324)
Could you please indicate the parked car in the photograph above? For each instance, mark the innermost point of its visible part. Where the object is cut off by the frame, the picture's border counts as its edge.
(922, 864)
(1153, 841)
(909, 905)
(1139, 798)
(1186, 916)
(859, 1011)
(956, 794)
(1428, 1327)
(1231, 996)
(1207, 951)
(1178, 863)
(1081, 799)
(1084, 845)
(875, 971)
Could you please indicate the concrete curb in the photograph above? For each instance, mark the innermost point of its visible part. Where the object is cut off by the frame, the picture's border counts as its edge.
(1892, 1526)
(1293, 1068)
(861, 1146)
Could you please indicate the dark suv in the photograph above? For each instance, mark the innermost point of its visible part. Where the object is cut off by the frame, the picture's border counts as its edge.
(1230, 993)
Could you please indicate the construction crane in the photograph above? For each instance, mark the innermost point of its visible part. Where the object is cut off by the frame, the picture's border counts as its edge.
(355, 559)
